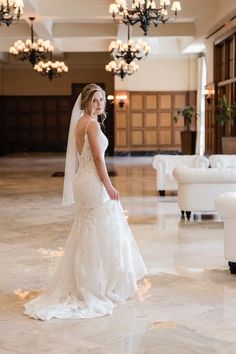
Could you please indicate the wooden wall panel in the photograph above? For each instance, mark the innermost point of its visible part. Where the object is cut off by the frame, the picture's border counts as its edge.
(121, 127)
(137, 137)
(136, 120)
(177, 140)
(165, 101)
(151, 101)
(121, 120)
(179, 100)
(165, 120)
(165, 137)
(150, 137)
(149, 120)
(34, 123)
(121, 138)
(136, 102)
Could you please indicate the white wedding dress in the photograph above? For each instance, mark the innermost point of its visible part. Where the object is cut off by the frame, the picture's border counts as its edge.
(101, 263)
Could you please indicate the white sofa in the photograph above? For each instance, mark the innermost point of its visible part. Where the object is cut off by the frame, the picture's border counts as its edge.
(199, 188)
(222, 161)
(226, 207)
(165, 164)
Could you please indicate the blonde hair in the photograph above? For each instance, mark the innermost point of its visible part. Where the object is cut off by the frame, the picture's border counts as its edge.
(87, 96)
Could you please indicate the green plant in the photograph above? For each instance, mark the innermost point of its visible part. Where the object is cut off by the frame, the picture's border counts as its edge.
(188, 113)
(225, 112)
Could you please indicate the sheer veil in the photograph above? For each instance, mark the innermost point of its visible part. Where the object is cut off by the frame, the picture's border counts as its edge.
(72, 163)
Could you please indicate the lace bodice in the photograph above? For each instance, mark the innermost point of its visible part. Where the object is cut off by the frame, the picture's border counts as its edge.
(89, 190)
(86, 161)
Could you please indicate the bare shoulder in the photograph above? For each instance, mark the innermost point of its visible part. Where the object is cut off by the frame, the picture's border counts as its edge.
(82, 123)
(84, 120)
(93, 127)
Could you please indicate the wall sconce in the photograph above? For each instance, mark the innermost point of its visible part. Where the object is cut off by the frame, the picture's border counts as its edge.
(110, 99)
(208, 93)
(121, 100)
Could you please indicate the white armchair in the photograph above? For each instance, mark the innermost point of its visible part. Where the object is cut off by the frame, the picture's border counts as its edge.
(198, 188)
(165, 164)
(226, 206)
(222, 161)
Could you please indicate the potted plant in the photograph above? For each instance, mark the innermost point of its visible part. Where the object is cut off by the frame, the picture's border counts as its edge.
(188, 137)
(225, 113)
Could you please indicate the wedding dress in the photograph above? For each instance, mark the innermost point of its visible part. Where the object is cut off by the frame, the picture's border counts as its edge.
(101, 263)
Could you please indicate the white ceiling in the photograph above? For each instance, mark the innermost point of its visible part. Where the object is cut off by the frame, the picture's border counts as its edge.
(76, 26)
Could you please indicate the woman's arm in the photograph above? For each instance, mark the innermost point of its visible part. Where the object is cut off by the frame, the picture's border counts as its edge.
(94, 133)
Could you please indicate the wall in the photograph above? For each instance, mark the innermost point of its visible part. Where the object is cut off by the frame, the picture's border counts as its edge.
(20, 79)
(162, 74)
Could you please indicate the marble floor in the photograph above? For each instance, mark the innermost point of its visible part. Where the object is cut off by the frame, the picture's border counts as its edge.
(187, 304)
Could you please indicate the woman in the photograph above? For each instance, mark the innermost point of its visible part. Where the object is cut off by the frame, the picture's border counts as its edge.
(101, 263)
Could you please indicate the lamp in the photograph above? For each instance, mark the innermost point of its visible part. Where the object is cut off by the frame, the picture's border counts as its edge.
(208, 93)
(130, 50)
(121, 100)
(110, 99)
(51, 69)
(10, 11)
(33, 51)
(121, 68)
(143, 11)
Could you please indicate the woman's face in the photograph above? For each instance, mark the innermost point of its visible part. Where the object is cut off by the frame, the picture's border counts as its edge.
(98, 104)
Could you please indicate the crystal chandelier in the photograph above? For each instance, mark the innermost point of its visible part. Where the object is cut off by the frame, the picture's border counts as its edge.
(10, 11)
(121, 68)
(31, 50)
(143, 11)
(51, 69)
(130, 50)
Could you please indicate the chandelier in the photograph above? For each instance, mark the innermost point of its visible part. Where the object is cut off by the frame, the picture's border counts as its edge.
(121, 68)
(130, 50)
(10, 11)
(143, 11)
(51, 69)
(31, 50)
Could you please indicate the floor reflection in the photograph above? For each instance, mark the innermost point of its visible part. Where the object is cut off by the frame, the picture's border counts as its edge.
(186, 304)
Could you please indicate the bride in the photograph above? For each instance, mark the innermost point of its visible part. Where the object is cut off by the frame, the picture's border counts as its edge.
(101, 263)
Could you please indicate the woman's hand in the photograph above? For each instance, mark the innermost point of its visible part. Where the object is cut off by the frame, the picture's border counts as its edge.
(113, 193)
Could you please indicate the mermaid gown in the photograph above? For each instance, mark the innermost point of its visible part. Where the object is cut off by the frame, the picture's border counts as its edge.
(101, 262)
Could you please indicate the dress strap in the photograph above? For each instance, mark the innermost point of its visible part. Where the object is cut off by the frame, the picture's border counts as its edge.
(86, 128)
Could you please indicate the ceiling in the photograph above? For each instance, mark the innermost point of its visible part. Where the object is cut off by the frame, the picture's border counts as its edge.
(79, 26)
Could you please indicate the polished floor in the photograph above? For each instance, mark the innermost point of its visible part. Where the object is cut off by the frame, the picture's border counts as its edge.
(186, 305)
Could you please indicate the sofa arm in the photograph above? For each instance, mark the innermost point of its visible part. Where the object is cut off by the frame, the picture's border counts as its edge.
(226, 205)
(200, 162)
(160, 164)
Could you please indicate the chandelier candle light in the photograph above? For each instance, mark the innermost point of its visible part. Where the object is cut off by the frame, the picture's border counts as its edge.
(121, 68)
(10, 11)
(31, 50)
(51, 69)
(143, 11)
